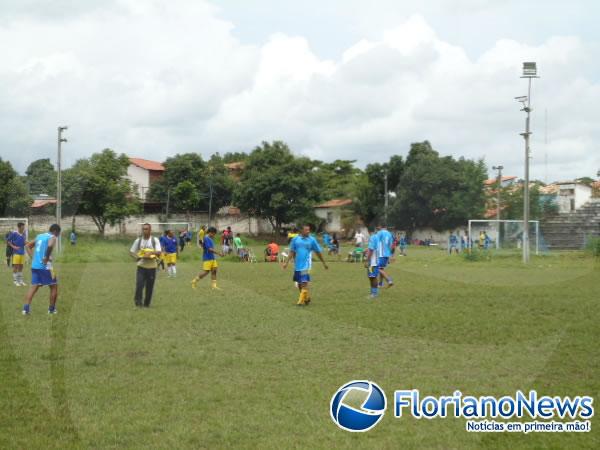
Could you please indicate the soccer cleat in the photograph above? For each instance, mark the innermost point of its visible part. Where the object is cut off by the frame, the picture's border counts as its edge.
(215, 288)
(16, 283)
(26, 311)
(22, 283)
(194, 283)
(52, 311)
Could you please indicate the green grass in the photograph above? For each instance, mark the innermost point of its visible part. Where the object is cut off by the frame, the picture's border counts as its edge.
(245, 368)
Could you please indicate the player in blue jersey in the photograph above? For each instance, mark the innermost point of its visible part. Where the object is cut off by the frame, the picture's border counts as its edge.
(385, 241)
(171, 252)
(372, 263)
(16, 241)
(42, 272)
(453, 243)
(301, 249)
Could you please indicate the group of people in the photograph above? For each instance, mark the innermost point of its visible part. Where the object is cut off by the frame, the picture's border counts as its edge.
(151, 253)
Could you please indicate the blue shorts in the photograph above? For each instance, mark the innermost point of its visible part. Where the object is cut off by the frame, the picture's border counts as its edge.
(383, 262)
(301, 276)
(43, 277)
(373, 271)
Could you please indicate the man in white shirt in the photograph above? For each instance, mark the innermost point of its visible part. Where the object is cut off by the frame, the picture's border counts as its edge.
(359, 239)
(146, 250)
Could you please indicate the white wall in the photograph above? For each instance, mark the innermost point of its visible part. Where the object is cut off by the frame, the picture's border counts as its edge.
(583, 194)
(336, 221)
(239, 224)
(141, 178)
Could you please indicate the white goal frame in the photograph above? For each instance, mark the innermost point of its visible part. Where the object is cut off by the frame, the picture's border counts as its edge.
(498, 222)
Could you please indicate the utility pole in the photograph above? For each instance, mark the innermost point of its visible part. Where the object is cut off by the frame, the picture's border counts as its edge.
(386, 199)
(210, 196)
(529, 72)
(59, 180)
(499, 169)
(168, 200)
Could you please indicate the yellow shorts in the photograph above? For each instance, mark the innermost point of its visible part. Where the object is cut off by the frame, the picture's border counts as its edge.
(209, 265)
(18, 259)
(170, 258)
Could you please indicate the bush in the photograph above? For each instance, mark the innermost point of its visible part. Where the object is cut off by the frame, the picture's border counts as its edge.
(477, 255)
(593, 246)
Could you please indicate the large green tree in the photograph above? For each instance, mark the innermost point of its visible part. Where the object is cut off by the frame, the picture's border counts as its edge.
(188, 181)
(41, 177)
(438, 192)
(14, 200)
(98, 187)
(369, 188)
(338, 178)
(278, 186)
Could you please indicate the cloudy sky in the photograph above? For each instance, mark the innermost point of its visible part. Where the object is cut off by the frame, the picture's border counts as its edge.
(335, 79)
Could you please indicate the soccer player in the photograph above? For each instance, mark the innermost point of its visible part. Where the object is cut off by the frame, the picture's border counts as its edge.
(145, 249)
(171, 253)
(163, 242)
(372, 263)
(385, 240)
(453, 243)
(301, 248)
(16, 241)
(42, 272)
(209, 260)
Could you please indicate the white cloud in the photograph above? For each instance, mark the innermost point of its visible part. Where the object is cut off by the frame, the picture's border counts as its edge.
(154, 78)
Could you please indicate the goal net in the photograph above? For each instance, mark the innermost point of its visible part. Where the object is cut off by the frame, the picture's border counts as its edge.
(504, 235)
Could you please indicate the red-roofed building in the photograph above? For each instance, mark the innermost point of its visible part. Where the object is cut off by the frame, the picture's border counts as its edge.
(142, 173)
(506, 181)
(331, 213)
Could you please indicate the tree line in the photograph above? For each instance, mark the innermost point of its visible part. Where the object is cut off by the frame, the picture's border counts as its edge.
(426, 189)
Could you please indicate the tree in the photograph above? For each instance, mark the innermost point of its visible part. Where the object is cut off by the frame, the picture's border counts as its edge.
(338, 178)
(512, 200)
(14, 200)
(98, 187)
(189, 180)
(278, 186)
(437, 192)
(369, 189)
(41, 177)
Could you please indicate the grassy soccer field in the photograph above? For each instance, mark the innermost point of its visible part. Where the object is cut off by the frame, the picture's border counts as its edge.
(245, 368)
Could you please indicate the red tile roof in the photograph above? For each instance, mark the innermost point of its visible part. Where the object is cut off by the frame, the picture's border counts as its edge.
(147, 164)
(335, 203)
(43, 202)
(491, 181)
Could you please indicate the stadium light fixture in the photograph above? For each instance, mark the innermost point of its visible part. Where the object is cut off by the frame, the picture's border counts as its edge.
(529, 72)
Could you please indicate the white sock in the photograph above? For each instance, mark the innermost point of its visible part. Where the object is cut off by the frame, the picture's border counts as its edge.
(20, 276)
(170, 270)
(15, 276)
(174, 270)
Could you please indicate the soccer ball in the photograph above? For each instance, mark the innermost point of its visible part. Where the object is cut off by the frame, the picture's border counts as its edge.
(145, 251)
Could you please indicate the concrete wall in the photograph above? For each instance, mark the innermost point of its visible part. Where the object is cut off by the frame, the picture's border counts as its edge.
(239, 224)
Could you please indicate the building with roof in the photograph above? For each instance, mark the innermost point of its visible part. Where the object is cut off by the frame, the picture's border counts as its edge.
(570, 195)
(508, 180)
(331, 213)
(142, 173)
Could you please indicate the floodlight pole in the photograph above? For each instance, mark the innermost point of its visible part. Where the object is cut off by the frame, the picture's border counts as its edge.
(499, 169)
(59, 180)
(529, 72)
(386, 199)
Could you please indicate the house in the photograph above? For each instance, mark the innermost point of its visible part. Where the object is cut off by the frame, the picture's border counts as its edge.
(235, 169)
(506, 181)
(331, 213)
(142, 173)
(570, 195)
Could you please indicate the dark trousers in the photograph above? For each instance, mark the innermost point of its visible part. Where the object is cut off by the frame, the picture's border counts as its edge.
(144, 279)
